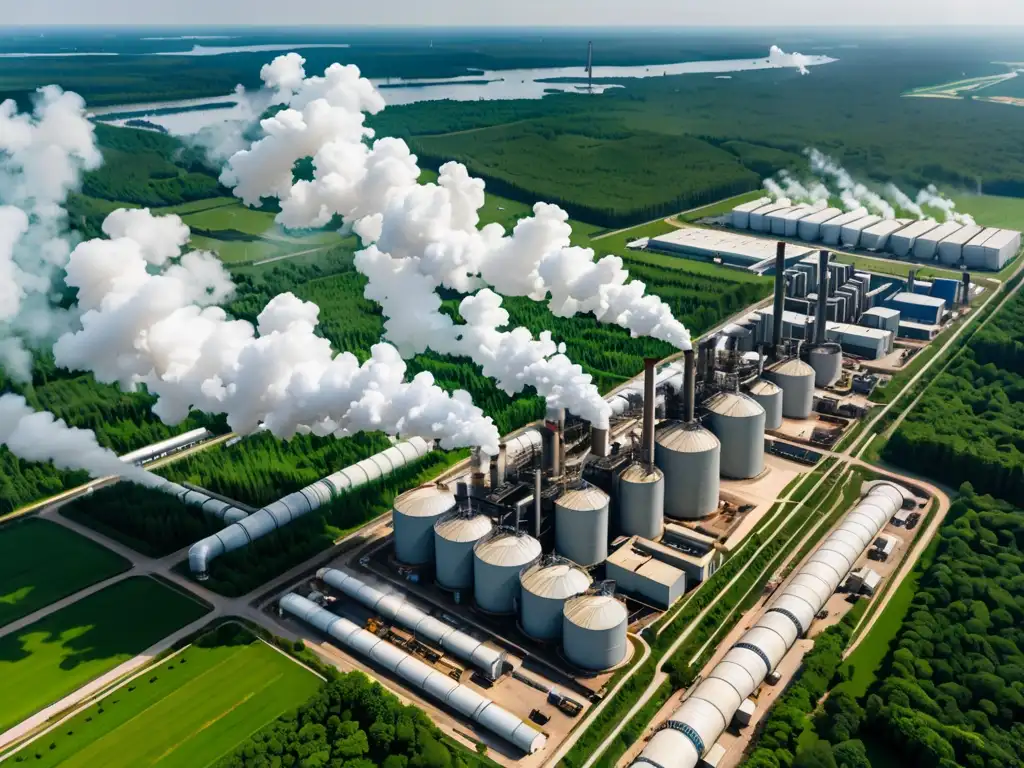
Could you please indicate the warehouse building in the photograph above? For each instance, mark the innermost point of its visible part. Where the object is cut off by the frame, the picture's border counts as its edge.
(831, 230)
(947, 289)
(869, 343)
(740, 217)
(994, 252)
(876, 238)
(733, 249)
(917, 331)
(915, 307)
(951, 250)
(851, 233)
(794, 325)
(863, 581)
(881, 317)
(926, 247)
(809, 228)
(779, 221)
(791, 220)
(902, 242)
(759, 221)
(636, 571)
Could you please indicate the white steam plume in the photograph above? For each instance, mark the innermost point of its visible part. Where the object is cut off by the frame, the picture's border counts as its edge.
(428, 236)
(39, 436)
(42, 156)
(779, 58)
(150, 317)
(787, 187)
(853, 194)
(903, 200)
(931, 197)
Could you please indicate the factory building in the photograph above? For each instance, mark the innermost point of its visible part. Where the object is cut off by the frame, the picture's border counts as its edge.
(876, 237)
(850, 234)
(831, 230)
(809, 228)
(864, 581)
(913, 306)
(732, 249)
(791, 220)
(902, 243)
(883, 318)
(926, 247)
(759, 221)
(636, 571)
(866, 342)
(951, 249)
(740, 217)
(994, 252)
(710, 706)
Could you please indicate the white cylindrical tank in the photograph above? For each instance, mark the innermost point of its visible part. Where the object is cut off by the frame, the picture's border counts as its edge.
(641, 501)
(594, 631)
(796, 379)
(454, 539)
(826, 360)
(689, 456)
(738, 421)
(415, 513)
(545, 588)
(497, 562)
(581, 525)
(768, 395)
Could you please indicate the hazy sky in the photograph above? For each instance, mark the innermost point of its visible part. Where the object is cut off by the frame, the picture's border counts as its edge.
(516, 12)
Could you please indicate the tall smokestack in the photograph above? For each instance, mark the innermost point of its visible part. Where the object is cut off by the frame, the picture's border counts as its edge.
(689, 386)
(536, 503)
(598, 442)
(648, 433)
(822, 315)
(495, 480)
(911, 281)
(502, 463)
(967, 288)
(780, 296)
(554, 424)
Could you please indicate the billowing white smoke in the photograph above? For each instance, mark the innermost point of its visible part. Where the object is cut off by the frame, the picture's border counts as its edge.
(38, 436)
(42, 156)
(779, 58)
(903, 201)
(150, 317)
(789, 188)
(931, 197)
(853, 194)
(427, 236)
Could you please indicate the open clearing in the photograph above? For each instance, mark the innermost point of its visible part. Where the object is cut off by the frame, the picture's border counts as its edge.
(51, 658)
(44, 562)
(993, 211)
(185, 712)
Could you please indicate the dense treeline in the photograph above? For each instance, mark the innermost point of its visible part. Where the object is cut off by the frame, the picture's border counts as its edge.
(592, 169)
(954, 690)
(262, 468)
(969, 424)
(151, 522)
(352, 722)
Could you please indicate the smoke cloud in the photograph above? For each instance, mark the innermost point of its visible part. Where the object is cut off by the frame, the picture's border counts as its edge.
(779, 58)
(788, 187)
(931, 197)
(853, 194)
(150, 316)
(39, 436)
(42, 156)
(422, 237)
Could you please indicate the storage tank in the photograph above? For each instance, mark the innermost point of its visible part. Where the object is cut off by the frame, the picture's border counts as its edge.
(738, 421)
(796, 379)
(768, 395)
(594, 631)
(497, 561)
(581, 525)
(545, 588)
(415, 513)
(641, 501)
(454, 538)
(689, 456)
(826, 360)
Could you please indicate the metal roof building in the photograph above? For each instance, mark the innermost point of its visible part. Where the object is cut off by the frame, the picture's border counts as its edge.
(809, 227)
(881, 317)
(926, 247)
(951, 250)
(638, 572)
(740, 217)
(917, 307)
(996, 252)
(759, 218)
(902, 243)
(692, 730)
(850, 234)
(870, 343)
(791, 220)
(731, 247)
(831, 230)
(876, 238)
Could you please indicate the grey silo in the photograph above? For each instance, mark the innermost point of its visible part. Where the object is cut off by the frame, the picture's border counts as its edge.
(454, 538)
(641, 500)
(768, 395)
(594, 631)
(497, 562)
(796, 379)
(826, 361)
(415, 513)
(690, 457)
(738, 421)
(581, 525)
(545, 588)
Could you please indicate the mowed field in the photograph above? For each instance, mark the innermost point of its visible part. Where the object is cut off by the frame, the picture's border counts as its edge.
(993, 211)
(185, 712)
(42, 562)
(49, 659)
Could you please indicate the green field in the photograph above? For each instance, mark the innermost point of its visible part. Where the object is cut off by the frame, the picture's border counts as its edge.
(185, 712)
(44, 562)
(992, 210)
(58, 654)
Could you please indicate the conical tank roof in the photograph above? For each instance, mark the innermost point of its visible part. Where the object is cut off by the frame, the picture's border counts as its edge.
(595, 612)
(639, 473)
(425, 501)
(686, 437)
(792, 367)
(733, 404)
(556, 581)
(764, 388)
(583, 499)
(508, 549)
(463, 528)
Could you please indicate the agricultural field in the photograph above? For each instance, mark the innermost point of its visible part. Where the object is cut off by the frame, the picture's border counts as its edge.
(992, 210)
(58, 654)
(29, 582)
(184, 712)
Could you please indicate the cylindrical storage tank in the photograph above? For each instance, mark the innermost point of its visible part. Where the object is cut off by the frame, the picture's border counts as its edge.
(454, 539)
(497, 562)
(641, 501)
(594, 631)
(545, 588)
(581, 525)
(689, 456)
(768, 395)
(738, 422)
(826, 361)
(414, 516)
(796, 379)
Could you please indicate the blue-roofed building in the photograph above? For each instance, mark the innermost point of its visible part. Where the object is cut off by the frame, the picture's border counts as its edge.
(946, 289)
(917, 308)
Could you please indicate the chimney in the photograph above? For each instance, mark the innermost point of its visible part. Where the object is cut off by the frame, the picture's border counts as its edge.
(689, 386)
(536, 504)
(554, 424)
(822, 314)
(967, 288)
(502, 463)
(780, 296)
(495, 475)
(476, 479)
(649, 405)
(598, 441)
(910, 280)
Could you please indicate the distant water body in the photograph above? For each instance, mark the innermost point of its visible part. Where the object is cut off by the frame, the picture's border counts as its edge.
(497, 85)
(196, 50)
